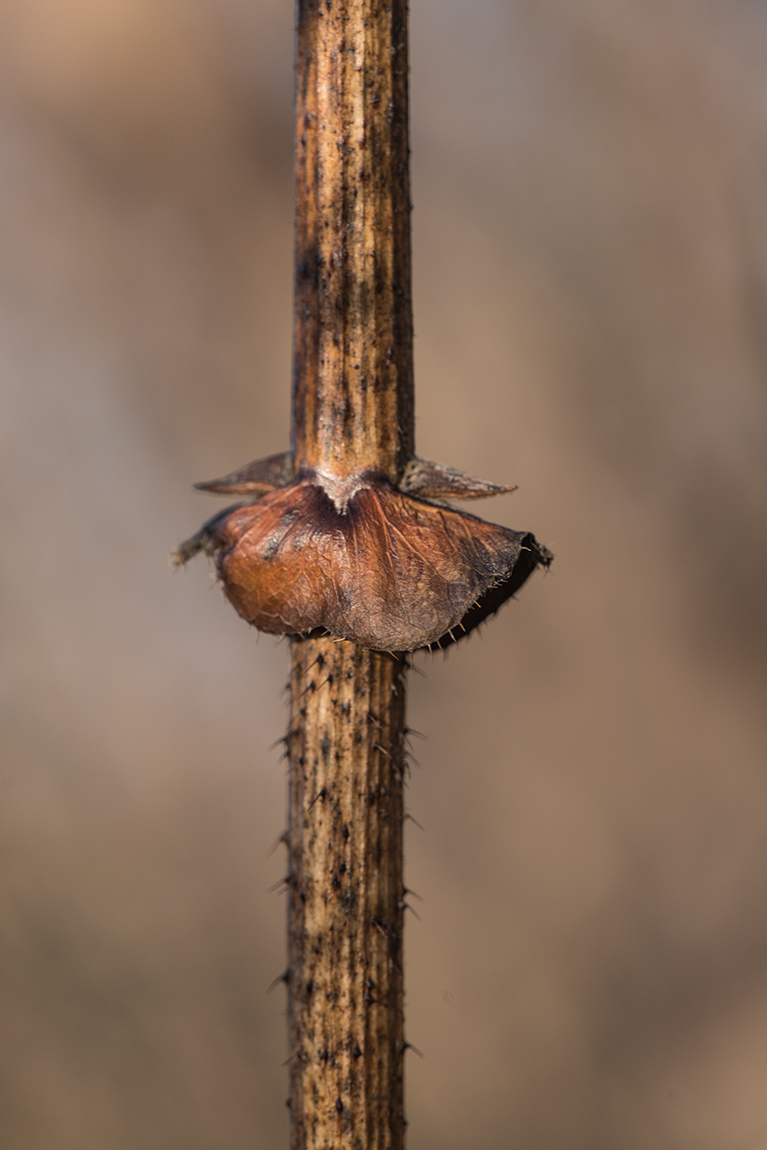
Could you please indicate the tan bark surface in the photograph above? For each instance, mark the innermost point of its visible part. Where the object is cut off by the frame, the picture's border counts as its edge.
(352, 411)
(353, 367)
(346, 897)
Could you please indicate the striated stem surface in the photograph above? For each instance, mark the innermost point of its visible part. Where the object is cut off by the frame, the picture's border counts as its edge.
(353, 334)
(346, 897)
(352, 412)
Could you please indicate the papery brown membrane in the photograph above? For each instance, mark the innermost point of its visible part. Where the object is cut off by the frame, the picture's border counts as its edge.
(389, 571)
(254, 478)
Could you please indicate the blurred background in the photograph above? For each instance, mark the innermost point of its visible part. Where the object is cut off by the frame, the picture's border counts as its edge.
(589, 971)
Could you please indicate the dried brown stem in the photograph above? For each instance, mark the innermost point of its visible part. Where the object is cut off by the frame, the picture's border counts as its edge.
(346, 897)
(339, 539)
(353, 365)
(352, 413)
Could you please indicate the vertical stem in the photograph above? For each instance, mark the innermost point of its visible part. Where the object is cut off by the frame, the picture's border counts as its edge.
(352, 411)
(353, 335)
(346, 898)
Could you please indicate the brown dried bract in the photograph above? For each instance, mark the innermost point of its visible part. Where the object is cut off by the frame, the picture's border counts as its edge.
(363, 560)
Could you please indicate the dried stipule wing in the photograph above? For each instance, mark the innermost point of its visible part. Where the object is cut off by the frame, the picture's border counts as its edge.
(254, 478)
(391, 572)
(432, 480)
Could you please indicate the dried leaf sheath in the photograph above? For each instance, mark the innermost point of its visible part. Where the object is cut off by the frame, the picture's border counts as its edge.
(389, 571)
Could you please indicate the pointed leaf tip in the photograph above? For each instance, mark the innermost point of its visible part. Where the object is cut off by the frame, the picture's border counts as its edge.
(431, 480)
(256, 478)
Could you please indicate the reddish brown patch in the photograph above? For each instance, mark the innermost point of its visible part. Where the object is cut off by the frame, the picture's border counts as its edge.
(390, 572)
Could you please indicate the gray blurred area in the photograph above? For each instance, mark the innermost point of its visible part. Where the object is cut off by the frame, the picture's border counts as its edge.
(589, 971)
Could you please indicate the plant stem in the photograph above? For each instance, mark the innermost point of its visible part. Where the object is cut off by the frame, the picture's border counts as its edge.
(346, 904)
(352, 411)
(353, 366)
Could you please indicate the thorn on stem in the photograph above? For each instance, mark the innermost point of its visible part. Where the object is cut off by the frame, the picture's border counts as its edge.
(284, 977)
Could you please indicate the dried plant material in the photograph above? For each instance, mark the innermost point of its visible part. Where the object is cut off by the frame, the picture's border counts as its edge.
(254, 478)
(346, 546)
(381, 568)
(436, 481)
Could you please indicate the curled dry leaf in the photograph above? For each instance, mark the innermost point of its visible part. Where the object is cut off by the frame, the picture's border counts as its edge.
(380, 567)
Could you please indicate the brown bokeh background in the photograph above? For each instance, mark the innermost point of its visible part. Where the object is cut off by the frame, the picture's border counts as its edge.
(589, 971)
